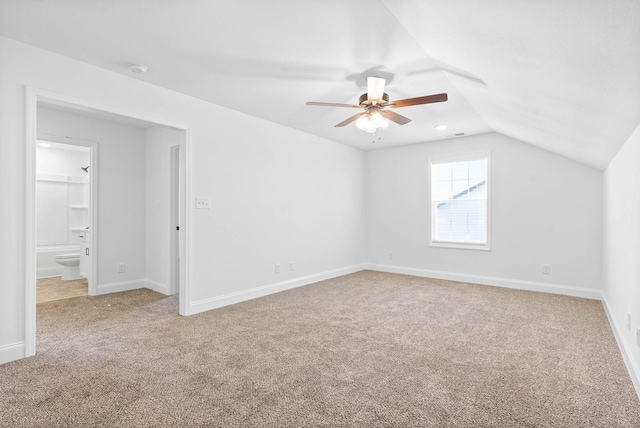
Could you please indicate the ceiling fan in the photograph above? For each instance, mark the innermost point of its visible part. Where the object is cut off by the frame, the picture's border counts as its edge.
(375, 104)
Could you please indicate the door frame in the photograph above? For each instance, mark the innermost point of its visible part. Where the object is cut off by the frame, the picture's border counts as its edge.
(93, 199)
(174, 218)
(34, 95)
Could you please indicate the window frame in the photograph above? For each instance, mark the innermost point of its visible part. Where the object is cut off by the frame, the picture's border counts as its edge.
(451, 158)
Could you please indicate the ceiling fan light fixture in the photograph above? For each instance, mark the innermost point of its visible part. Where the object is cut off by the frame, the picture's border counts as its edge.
(371, 121)
(363, 122)
(376, 118)
(371, 129)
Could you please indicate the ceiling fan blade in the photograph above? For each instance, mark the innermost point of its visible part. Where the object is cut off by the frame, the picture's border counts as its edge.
(395, 117)
(313, 103)
(349, 120)
(427, 99)
(375, 88)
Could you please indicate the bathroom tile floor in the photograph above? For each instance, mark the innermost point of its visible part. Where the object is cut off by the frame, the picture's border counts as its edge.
(54, 288)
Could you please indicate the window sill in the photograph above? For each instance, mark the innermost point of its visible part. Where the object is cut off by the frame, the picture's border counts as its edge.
(461, 246)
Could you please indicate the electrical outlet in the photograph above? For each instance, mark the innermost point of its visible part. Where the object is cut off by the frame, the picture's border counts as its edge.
(390, 255)
(277, 267)
(121, 267)
(546, 269)
(290, 265)
(203, 203)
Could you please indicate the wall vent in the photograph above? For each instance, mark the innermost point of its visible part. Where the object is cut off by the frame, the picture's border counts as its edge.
(459, 134)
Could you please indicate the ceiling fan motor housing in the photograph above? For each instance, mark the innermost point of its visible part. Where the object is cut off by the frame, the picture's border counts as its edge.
(365, 97)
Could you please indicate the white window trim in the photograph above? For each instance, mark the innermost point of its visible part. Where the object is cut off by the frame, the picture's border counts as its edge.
(453, 158)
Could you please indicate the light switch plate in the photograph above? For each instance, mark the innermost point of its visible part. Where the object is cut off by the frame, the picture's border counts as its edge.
(203, 203)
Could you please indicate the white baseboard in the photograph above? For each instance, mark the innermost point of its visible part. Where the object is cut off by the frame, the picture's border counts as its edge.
(265, 290)
(632, 367)
(567, 290)
(12, 352)
(156, 286)
(116, 287)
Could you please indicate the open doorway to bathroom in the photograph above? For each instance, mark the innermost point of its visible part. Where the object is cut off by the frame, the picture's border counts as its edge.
(134, 244)
(63, 197)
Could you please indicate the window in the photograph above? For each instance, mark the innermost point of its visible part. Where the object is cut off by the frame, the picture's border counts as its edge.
(460, 201)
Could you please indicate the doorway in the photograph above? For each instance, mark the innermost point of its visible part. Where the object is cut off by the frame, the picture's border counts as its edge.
(65, 200)
(179, 281)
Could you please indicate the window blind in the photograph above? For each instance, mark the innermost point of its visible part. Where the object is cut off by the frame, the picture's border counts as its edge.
(459, 209)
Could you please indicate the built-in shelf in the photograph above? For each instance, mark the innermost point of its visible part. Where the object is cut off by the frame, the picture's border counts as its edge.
(79, 207)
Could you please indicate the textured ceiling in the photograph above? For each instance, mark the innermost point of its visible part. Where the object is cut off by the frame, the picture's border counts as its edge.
(560, 75)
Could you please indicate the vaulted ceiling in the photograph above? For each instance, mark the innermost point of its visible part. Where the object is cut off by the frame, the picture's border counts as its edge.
(561, 75)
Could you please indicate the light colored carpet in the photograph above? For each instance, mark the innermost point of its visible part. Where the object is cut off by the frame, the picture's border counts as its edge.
(368, 349)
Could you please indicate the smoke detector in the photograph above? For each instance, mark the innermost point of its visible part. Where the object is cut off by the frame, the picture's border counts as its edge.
(138, 68)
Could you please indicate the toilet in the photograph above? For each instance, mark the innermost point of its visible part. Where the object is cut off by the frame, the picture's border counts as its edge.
(70, 265)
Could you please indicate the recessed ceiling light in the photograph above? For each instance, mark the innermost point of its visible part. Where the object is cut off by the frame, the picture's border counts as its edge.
(44, 144)
(441, 127)
(138, 68)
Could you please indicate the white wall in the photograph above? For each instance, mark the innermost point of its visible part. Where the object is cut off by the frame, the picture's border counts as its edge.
(62, 161)
(621, 262)
(545, 209)
(121, 191)
(298, 198)
(278, 195)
